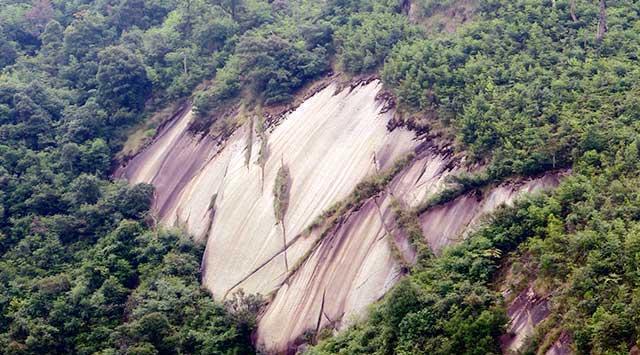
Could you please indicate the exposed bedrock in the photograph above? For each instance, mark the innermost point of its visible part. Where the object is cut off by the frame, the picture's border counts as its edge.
(562, 346)
(525, 312)
(171, 161)
(223, 194)
(445, 224)
(330, 143)
(354, 265)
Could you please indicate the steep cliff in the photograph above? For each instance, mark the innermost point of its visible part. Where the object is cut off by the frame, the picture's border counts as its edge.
(317, 271)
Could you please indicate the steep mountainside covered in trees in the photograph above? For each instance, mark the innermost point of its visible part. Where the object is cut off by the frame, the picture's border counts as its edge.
(321, 176)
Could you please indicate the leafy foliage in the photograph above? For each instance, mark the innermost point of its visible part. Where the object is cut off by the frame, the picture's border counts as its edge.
(281, 193)
(366, 40)
(122, 79)
(295, 44)
(526, 85)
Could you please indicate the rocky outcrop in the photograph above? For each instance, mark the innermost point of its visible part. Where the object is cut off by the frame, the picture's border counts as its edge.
(222, 192)
(446, 224)
(350, 269)
(562, 346)
(526, 311)
(361, 258)
(171, 161)
(330, 143)
(354, 265)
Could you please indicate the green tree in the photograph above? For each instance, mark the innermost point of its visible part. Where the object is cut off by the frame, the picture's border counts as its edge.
(8, 53)
(122, 79)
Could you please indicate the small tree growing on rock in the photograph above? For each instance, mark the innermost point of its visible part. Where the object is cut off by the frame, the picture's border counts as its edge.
(281, 203)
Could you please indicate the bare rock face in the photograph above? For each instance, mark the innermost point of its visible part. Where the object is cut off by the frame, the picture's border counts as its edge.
(353, 265)
(223, 194)
(449, 223)
(350, 269)
(526, 311)
(329, 144)
(173, 159)
(562, 346)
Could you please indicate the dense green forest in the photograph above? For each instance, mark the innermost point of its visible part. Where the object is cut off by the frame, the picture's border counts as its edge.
(525, 87)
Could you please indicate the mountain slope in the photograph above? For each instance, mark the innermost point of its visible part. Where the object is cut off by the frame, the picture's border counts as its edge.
(332, 142)
(391, 176)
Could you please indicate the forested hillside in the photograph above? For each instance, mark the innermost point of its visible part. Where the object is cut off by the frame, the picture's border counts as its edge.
(519, 87)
